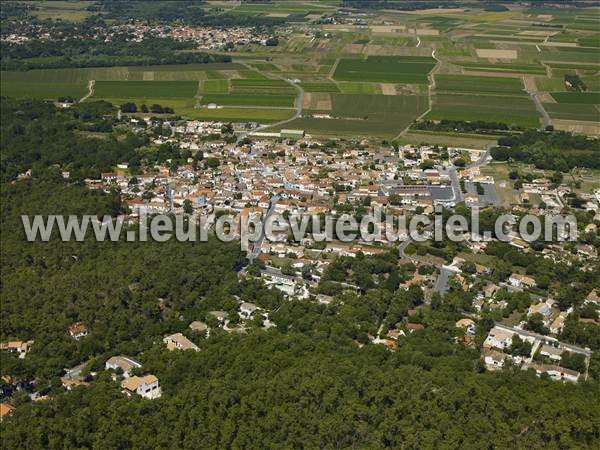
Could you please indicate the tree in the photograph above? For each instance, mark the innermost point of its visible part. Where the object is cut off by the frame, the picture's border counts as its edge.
(188, 207)
(128, 107)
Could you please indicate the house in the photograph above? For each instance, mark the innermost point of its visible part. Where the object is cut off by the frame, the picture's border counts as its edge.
(556, 372)
(559, 323)
(543, 308)
(6, 410)
(493, 359)
(246, 310)
(521, 281)
(78, 330)
(221, 316)
(178, 341)
(146, 386)
(199, 327)
(20, 347)
(553, 353)
(467, 324)
(593, 297)
(125, 363)
(414, 326)
(498, 338)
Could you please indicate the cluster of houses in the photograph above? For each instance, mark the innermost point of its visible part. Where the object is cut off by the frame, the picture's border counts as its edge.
(544, 357)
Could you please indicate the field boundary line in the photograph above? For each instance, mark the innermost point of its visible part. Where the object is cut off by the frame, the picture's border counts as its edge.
(430, 88)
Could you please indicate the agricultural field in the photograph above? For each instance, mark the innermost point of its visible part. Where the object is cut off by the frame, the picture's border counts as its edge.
(492, 85)
(365, 115)
(215, 87)
(249, 100)
(490, 108)
(587, 98)
(319, 86)
(46, 91)
(386, 69)
(144, 89)
(573, 111)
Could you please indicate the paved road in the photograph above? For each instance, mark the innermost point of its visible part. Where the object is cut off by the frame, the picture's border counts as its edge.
(441, 284)
(256, 249)
(569, 347)
(297, 106)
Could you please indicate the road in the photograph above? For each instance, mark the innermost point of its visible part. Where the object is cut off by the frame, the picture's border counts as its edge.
(256, 249)
(90, 92)
(572, 348)
(297, 106)
(441, 284)
(540, 108)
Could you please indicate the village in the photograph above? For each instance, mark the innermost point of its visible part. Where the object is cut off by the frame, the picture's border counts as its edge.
(291, 174)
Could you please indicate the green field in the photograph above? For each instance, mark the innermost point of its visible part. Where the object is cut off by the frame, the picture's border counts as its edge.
(262, 115)
(367, 115)
(215, 86)
(507, 68)
(587, 98)
(142, 89)
(510, 110)
(249, 100)
(245, 86)
(319, 86)
(493, 85)
(28, 89)
(573, 111)
(359, 88)
(385, 69)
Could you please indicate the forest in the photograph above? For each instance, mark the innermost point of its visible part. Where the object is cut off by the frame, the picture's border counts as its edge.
(556, 150)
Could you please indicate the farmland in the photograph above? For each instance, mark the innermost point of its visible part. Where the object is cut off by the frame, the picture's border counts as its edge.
(387, 69)
(26, 89)
(588, 98)
(510, 110)
(143, 89)
(492, 85)
(249, 100)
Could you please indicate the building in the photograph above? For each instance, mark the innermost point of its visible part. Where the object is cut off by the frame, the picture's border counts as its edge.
(146, 386)
(78, 330)
(521, 281)
(247, 309)
(125, 363)
(178, 341)
(556, 372)
(498, 338)
(468, 325)
(199, 327)
(6, 410)
(553, 353)
(20, 347)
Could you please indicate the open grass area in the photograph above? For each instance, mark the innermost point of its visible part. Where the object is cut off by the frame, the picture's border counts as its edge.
(249, 100)
(510, 110)
(141, 89)
(385, 69)
(493, 85)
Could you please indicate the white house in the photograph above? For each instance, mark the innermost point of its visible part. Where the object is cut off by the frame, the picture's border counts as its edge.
(125, 363)
(178, 341)
(146, 386)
